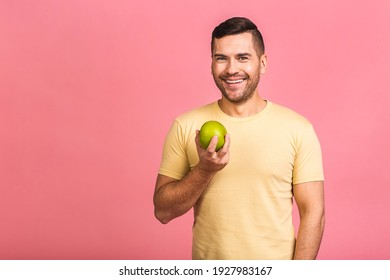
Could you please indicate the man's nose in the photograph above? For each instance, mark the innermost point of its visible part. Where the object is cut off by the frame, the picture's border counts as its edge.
(232, 67)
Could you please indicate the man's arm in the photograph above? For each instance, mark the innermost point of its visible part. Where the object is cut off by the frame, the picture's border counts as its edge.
(173, 198)
(310, 201)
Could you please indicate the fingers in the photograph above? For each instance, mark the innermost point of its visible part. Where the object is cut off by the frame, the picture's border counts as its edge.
(225, 148)
(212, 145)
(211, 160)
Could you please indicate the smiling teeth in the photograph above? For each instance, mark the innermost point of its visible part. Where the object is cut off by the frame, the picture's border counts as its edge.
(234, 82)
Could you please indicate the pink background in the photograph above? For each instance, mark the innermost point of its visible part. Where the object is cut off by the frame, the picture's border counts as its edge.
(90, 88)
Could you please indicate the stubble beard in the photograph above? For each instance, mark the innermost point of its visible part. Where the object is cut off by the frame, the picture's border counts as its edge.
(247, 92)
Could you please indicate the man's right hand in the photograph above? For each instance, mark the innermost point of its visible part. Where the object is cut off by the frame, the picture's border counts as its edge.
(212, 161)
(173, 198)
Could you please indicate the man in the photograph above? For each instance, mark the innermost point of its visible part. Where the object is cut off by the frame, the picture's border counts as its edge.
(242, 194)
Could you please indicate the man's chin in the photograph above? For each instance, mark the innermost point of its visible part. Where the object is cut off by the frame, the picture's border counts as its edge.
(237, 99)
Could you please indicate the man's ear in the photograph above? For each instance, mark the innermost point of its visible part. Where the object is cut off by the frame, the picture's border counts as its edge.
(263, 63)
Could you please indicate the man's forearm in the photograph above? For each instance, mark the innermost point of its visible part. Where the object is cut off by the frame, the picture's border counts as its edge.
(176, 198)
(309, 237)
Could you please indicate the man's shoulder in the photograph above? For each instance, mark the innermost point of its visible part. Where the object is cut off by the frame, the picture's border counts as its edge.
(287, 114)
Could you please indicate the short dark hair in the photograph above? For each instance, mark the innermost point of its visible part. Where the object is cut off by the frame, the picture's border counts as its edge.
(238, 25)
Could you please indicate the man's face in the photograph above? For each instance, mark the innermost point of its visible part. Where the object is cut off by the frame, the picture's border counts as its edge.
(236, 67)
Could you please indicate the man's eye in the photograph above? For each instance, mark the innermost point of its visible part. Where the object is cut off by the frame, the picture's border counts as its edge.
(243, 58)
(220, 58)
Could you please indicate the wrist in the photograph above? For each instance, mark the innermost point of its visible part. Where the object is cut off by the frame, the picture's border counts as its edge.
(204, 172)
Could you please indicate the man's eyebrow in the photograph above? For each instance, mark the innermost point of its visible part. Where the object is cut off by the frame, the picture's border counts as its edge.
(219, 54)
(244, 54)
(239, 55)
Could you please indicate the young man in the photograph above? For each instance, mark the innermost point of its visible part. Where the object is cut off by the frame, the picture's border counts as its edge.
(242, 194)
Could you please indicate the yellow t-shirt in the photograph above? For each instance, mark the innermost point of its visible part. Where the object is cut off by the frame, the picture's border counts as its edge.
(246, 211)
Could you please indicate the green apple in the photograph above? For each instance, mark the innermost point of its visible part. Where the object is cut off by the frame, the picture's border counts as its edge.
(210, 129)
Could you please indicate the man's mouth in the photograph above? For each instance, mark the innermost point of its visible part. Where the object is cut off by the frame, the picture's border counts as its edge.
(234, 81)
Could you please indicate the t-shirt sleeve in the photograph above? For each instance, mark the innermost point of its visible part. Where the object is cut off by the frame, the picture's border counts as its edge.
(174, 161)
(308, 160)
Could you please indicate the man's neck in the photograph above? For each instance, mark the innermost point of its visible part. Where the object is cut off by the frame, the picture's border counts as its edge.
(249, 108)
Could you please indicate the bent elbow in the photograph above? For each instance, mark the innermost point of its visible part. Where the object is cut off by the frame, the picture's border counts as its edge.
(163, 220)
(161, 217)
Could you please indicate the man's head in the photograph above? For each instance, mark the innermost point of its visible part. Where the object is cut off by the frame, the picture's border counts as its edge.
(238, 59)
(238, 25)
